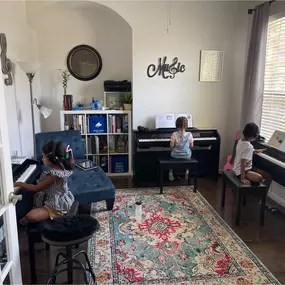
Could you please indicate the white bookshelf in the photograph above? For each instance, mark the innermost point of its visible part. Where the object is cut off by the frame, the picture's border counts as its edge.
(106, 137)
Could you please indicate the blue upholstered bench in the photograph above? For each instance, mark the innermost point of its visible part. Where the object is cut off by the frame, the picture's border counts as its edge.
(86, 186)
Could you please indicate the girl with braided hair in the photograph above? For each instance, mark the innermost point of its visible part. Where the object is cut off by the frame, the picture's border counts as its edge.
(53, 197)
(181, 143)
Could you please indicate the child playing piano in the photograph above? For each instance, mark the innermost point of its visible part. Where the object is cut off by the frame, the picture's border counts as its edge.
(53, 197)
(243, 160)
(181, 143)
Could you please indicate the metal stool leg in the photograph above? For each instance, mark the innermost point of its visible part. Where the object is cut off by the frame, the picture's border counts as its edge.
(53, 280)
(90, 267)
(69, 265)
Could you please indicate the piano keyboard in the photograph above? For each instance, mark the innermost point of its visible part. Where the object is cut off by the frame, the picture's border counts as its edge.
(25, 175)
(271, 159)
(168, 139)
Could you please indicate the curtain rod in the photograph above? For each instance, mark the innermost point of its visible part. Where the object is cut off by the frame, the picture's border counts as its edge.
(250, 11)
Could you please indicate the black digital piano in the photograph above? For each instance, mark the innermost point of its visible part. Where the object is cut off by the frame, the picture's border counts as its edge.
(152, 145)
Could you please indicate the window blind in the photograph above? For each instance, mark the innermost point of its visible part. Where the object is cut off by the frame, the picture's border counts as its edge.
(273, 109)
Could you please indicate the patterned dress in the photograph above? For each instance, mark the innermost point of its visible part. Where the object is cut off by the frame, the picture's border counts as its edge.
(56, 196)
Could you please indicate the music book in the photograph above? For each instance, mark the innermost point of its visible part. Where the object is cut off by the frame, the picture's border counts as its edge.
(277, 140)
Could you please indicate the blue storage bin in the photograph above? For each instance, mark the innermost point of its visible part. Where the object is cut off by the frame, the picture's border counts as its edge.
(119, 164)
(98, 124)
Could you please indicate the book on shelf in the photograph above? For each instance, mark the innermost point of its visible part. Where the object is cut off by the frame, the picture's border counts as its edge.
(118, 144)
(118, 124)
(96, 145)
(78, 123)
(119, 164)
(96, 124)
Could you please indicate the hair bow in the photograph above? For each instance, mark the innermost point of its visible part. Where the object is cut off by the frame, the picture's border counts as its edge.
(68, 151)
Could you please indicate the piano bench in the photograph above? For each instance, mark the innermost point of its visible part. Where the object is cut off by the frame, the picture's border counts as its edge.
(191, 164)
(260, 191)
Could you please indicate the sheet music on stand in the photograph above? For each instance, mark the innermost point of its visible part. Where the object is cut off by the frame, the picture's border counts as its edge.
(277, 140)
(165, 121)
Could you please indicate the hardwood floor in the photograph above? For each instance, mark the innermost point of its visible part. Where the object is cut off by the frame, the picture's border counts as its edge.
(266, 242)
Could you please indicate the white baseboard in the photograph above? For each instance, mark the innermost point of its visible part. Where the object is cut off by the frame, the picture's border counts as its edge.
(276, 199)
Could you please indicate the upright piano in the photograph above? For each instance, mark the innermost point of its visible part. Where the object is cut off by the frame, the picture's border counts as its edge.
(153, 145)
(28, 171)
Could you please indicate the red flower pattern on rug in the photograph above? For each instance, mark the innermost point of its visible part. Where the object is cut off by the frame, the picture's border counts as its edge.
(159, 226)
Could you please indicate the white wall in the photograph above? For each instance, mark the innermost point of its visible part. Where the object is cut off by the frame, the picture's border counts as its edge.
(195, 26)
(66, 25)
(21, 46)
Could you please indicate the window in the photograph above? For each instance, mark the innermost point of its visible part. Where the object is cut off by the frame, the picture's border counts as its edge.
(273, 109)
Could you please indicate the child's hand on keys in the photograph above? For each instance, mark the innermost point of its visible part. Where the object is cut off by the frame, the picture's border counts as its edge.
(260, 150)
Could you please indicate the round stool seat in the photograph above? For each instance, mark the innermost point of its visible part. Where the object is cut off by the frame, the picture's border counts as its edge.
(68, 230)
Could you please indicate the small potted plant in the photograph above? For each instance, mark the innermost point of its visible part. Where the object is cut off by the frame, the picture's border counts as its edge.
(127, 100)
(65, 76)
(67, 99)
(79, 106)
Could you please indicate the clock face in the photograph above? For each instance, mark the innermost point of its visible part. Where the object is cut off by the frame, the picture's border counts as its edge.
(84, 62)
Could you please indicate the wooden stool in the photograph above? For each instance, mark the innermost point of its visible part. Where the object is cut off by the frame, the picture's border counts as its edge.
(259, 191)
(191, 164)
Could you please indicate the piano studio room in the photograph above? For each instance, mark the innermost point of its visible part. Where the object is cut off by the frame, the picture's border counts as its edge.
(142, 142)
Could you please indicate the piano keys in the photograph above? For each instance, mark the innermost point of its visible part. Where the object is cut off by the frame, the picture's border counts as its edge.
(28, 172)
(272, 161)
(153, 145)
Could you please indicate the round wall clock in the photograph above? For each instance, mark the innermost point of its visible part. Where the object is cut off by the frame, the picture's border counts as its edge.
(84, 62)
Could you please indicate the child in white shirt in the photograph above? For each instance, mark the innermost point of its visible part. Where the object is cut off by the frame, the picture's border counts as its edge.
(244, 154)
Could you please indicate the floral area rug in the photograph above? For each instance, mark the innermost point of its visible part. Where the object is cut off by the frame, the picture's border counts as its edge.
(180, 240)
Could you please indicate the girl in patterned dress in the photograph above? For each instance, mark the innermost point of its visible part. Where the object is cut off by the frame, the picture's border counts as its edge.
(52, 197)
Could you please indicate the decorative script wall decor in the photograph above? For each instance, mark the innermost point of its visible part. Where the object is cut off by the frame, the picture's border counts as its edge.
(6, 62)
(164, 69)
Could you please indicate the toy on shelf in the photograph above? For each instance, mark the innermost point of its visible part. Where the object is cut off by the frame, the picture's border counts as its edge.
(96, 105)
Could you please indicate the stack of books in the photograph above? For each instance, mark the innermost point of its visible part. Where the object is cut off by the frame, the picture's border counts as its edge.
(96, 145)
(117, 124)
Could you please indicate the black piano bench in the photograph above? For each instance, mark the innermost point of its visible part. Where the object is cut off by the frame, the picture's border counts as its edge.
(257, 190)
(191, 164)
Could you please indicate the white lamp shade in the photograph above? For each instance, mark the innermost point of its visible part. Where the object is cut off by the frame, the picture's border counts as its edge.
(45, 111)
(29, 67)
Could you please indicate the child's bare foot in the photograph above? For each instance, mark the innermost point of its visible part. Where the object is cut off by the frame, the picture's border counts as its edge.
(23, 221)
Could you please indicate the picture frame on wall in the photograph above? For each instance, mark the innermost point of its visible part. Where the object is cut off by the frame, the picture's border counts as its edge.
(211, 65)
